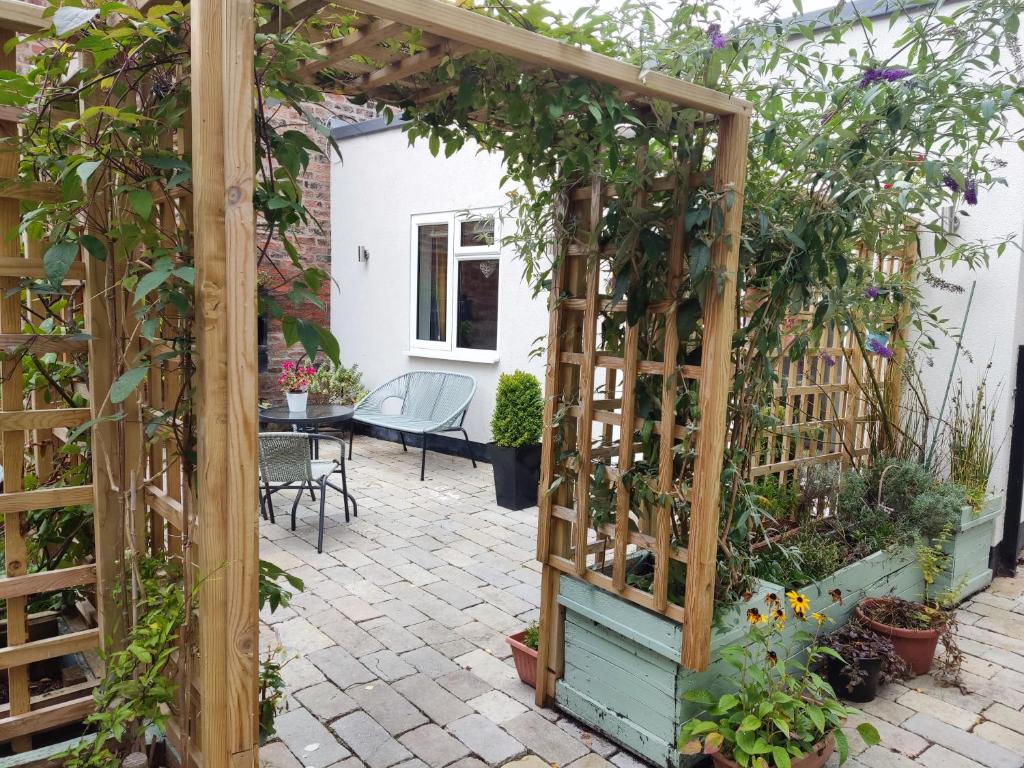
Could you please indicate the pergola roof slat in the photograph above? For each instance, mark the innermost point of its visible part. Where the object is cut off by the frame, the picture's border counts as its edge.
(357, 43)
(464, 26)
(413, 65)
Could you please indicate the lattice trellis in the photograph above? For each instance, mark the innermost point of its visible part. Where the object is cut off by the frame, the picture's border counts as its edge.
(594, 433)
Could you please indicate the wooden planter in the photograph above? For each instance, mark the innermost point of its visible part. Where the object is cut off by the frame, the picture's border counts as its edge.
(969, 550)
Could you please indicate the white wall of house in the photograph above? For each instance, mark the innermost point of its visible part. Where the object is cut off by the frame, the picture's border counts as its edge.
(376, 190)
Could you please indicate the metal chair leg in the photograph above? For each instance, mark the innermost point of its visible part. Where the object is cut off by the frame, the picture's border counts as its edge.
(323, 501)
(401, 435)
(344, 491)
(469, 446)
(295, 504)
(423, 461)
(270, 502)
(351, 439)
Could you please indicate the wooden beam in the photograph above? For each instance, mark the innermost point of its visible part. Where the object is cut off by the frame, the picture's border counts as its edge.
(47, 581)
(50, 648)
(226, 381)
(448, 21)
(17, 421)
(46, 718)
(169, 508)
(16, 16)
(38, 344)
(43, 498)
(716, 379)
(360, 42)
(412, 65)
(33, 268)
(19, 189)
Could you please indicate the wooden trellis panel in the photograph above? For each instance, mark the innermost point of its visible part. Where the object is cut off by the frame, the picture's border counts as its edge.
(584, 406)
(29, 432)
(825, 416)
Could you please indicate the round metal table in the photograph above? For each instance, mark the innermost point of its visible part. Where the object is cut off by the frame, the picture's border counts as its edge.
(313, 418)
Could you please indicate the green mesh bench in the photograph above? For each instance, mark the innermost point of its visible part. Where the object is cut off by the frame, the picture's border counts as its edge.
(419, 403)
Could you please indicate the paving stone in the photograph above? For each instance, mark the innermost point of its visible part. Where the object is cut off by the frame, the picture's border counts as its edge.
(414, 763)
(587, 737)
(967, 744)
(880, 757)
(626, 760)
(350, 762)
(430, 698)
(355, 608)
(937, 756)
(401, 612)
(301, 637)
(546, 739)
(277, 755)
(374, 746)
(469, 762)
(348, 634)
(1005, 716)
(496, 706)
(340, 667)
(429, 662)
(530, 761)
(454, 648)
(892, 737)
(387, 666)
(944, 711)
(326, 701)
(464, 684)
(591, 761)
(890, 711)
(308, 740)
(1003, 736)
(488, 668)
(453, 594)
(387, 707)
(392, 634)
(486, 739)
(433, 745)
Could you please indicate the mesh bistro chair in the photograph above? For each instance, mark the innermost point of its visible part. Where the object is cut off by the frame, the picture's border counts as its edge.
(431, 403)
(286, 461)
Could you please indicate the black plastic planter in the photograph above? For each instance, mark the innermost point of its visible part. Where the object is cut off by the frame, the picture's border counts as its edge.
(864, 691)
(516, 475)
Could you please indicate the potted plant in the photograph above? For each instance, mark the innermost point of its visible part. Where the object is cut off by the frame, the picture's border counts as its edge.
(913, 628)
(516, 427)
(524, 653)
(339, 385)
(781, 714)
(868, 660)
(294, 382)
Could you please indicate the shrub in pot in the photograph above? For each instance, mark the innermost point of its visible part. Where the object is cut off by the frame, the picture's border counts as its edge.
(516, 427)
(868, 660)
(336, 385)
(913, 628)
(524, 646)
(782, 714)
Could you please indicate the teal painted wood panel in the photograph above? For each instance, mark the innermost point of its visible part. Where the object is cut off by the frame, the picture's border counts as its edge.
(616, 651)
(652, 710)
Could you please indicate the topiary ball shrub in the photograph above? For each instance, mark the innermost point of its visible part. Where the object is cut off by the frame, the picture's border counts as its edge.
(518, 410)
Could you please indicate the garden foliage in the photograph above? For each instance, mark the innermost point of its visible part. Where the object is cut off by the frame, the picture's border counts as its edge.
(518, 417)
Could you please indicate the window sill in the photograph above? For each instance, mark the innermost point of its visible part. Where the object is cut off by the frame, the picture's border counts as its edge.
(486, 357)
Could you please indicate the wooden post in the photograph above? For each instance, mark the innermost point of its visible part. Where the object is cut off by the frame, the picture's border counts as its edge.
(225, 482)
(716, 375)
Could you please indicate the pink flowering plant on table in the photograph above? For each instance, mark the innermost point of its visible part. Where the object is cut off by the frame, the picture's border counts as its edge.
(782, 712)
(295, 378)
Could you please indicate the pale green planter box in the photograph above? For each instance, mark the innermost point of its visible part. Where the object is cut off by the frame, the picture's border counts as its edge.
(622, 673)
(969, 549)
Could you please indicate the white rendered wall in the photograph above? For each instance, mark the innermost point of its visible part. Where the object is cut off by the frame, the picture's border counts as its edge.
(380, 184)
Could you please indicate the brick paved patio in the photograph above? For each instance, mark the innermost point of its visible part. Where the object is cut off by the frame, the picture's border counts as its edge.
(396, 651)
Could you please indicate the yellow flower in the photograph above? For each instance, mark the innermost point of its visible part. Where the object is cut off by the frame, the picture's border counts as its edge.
(772, 600)
(818, 617)
(754, 616)
(780, 617)
(799, 603)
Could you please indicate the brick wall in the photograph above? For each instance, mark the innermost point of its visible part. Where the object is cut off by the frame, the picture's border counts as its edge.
(313, 241)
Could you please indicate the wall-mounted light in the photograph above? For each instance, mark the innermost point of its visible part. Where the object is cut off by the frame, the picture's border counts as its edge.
(362, 254)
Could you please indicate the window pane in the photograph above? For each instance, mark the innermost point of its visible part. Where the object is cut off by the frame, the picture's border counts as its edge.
(432, 282)
(478, 304)
(476, 232)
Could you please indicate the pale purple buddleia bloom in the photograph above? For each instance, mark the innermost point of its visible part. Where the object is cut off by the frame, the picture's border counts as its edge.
(971, 191)
(718, 40)
(871, 292)
(888, 74)
(877, 343)
(950, 183)
(828, 359)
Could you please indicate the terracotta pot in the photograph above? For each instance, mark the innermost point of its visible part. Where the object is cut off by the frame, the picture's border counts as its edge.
(525, 658)
(816, 758)
(914, 646)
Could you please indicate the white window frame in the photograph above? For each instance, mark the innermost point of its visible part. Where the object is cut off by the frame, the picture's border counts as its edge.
(457, 253)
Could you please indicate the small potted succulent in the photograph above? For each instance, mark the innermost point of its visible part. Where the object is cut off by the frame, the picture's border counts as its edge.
(781, 713)
(294, 382)
(524, 653)
(516, 427)
(868, 660)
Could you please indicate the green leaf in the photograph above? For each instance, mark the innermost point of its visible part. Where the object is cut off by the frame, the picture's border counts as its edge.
(752, 723)
(67, 19)
(127, 383)
(699, 696)
(141, 202)
(869, 733)
(781, 757)
(817, 717)
(713, 743)
(94, 246)
(329, 345)
(57, 261)
(842, 745)
(726, 702)
(692, 747)
(86, 169)
(149, 282)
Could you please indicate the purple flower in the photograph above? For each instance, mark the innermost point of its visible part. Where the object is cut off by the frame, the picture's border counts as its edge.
(889, 75)
(828, 359)
(877, 343)
(971, 191)
(871, 292)
(950, 183)
(718, 40)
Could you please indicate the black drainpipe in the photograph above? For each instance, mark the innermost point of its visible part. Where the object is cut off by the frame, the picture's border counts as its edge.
(1009, 547)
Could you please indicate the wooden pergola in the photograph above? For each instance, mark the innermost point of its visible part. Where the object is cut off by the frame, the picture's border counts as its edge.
(374, 59)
